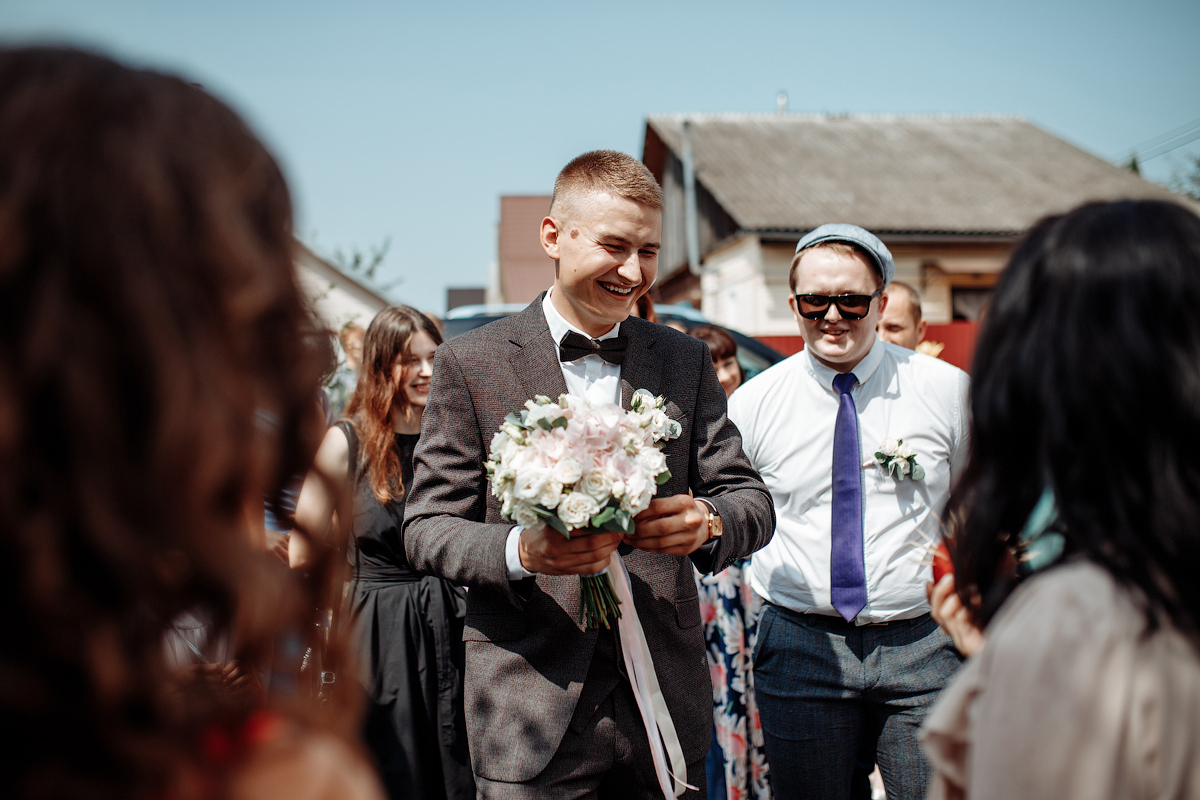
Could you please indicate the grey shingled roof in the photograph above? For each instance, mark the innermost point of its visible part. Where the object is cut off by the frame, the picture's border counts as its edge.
(946, 174)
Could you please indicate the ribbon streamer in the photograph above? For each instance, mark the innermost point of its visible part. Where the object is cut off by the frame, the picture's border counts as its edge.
(653, 707)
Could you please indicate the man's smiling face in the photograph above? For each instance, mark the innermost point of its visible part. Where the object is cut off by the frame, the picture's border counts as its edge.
(607, 252)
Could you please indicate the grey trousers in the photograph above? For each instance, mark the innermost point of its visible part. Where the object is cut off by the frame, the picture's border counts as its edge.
(829, 691)
(605, 753)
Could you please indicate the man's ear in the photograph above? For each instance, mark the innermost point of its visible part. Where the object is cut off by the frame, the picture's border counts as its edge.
(922, 326)
(883, 298)
(550, 233)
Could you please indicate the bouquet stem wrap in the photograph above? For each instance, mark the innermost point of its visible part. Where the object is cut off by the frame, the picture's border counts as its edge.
(599, 603)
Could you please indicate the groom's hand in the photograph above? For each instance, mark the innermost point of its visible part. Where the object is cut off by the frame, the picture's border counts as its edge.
(675, 525)
(548, 552)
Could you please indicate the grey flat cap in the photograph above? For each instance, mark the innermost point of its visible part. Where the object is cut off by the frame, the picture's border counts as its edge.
(841, 232)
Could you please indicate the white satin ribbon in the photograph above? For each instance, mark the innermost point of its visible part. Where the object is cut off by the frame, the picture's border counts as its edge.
(640, 668)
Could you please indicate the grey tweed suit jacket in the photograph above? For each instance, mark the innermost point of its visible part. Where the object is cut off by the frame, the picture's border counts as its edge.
(527, 655)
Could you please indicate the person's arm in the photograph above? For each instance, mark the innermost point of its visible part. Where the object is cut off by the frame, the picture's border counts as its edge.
(721, 474)
(444, 529)
(315, 505)
(948, 611)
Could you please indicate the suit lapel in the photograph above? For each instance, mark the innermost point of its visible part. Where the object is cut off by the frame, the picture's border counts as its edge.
(641, 369)
(536, 362)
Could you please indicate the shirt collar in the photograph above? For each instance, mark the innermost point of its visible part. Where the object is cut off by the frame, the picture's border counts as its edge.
(863, 370)
(559, 326)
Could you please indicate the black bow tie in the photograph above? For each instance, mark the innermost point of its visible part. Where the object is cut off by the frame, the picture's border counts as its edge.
(575, 345)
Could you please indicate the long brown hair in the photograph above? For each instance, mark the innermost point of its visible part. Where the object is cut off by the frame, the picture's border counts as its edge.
(388, 339)
(153, 384)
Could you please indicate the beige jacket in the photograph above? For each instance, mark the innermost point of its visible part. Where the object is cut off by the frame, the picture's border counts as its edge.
(1072, 697)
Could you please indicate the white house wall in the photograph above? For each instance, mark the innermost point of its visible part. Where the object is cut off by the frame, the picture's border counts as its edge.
(335, 298)
(731, 290)
(747, 288)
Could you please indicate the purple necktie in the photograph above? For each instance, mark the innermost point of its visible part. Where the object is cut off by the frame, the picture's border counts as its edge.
(847, 577)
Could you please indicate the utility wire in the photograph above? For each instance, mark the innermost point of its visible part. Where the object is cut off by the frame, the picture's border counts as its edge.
(1164, 143)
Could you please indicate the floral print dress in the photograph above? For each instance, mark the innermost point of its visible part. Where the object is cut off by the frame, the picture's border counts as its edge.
(729, 609)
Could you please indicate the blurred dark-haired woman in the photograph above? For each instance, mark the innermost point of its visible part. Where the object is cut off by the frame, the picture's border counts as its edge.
(150, 325)
(1077, 535)
(408, 626)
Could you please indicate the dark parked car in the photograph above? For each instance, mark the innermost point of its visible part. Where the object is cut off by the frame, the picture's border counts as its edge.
(753, 355)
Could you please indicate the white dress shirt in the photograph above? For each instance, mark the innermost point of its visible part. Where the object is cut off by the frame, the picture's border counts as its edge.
(786, 416)
(591, 377)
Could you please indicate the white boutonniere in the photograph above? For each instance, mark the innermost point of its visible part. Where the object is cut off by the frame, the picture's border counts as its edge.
(899, 460)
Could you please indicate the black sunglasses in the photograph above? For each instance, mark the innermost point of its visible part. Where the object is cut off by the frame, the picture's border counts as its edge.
(850, 306)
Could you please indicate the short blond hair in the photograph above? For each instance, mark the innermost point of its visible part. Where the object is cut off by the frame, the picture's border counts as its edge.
(605, 171)
(914, 298)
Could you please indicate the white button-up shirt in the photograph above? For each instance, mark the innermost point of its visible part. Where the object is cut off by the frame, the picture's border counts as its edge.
(591, 377)
(786, 416)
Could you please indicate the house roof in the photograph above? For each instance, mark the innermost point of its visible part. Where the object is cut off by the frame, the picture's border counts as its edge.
(935, 174)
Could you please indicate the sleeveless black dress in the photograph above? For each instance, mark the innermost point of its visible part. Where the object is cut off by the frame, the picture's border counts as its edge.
(409, 628)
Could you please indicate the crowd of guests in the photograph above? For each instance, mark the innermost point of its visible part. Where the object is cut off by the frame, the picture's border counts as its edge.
(160, 374)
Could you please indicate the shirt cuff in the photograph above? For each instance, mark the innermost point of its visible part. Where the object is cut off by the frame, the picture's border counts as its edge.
(512, 556)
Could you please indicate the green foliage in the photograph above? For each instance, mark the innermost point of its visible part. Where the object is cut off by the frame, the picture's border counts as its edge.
(1186, 178)
(366, 265)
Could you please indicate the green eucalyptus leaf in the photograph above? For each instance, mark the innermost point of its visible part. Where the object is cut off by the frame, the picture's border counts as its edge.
(561, 422)
(663, 477)
(559, 525)
(918, 472)
(604, 516)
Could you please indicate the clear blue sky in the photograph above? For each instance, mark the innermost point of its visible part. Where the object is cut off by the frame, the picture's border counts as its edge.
(409, 120)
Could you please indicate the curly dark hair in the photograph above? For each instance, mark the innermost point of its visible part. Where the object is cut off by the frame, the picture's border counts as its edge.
(1087, 381)
(154, 385)
(388, 340)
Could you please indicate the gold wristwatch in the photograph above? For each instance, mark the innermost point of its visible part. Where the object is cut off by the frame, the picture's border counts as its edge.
(714, 520)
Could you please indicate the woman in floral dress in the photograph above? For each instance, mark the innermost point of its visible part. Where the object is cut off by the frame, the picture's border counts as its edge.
(736, 763)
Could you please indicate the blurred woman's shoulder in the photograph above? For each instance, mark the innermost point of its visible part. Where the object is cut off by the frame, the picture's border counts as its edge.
(290, 762)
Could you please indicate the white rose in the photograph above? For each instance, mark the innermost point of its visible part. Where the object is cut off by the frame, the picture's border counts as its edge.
(643, 399)
(530, 481)
(638, 492)
(889, 447)
(576, 509)
(500, 441)
(900, 466)
(505, 476)
(596, 485)
(525, 516)
(567, 471)
(618, 488)
(636, 503)
(550, 495)
(652, 460)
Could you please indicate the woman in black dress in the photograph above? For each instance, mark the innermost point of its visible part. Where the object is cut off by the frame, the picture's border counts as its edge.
(409, 626)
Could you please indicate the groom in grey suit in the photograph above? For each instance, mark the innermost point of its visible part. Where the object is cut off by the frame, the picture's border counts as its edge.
(549, 709)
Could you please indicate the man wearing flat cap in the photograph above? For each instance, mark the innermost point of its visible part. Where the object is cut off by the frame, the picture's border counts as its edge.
(848, 659)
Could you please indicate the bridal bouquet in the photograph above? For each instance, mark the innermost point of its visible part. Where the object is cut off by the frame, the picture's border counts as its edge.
(580, 466)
